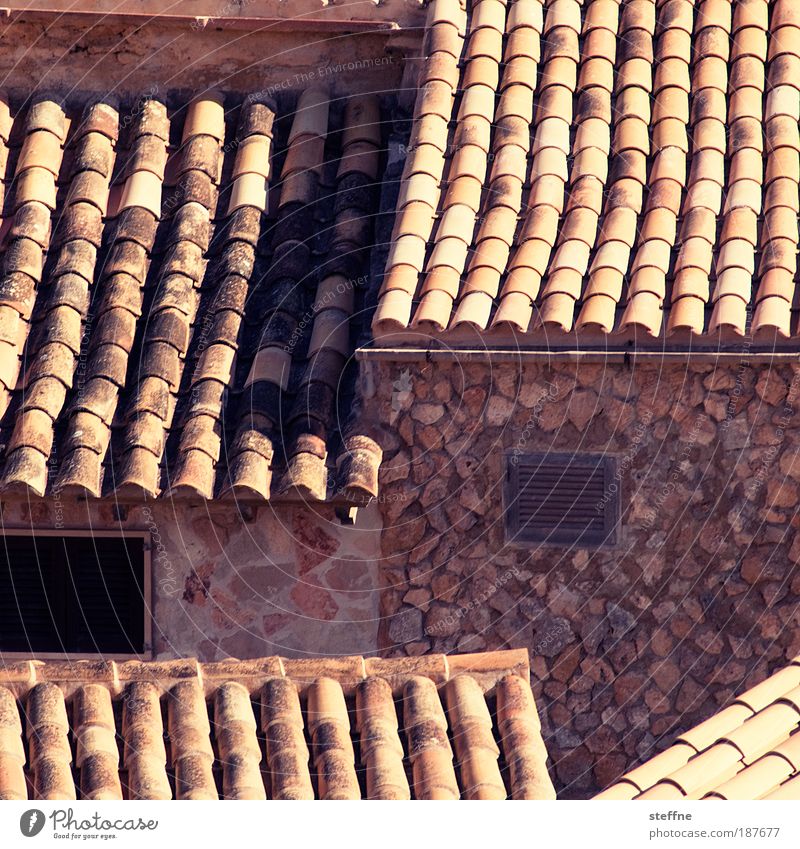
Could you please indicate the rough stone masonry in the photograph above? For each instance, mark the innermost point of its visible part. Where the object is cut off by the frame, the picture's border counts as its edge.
(629, 644)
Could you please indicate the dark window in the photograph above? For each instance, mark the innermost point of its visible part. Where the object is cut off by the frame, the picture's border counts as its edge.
(562, 498)
(71, 594)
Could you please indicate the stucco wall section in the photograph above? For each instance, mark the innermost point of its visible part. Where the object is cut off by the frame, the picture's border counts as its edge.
(629, 644)
(289, 580)
(404, 12)
(132, 59)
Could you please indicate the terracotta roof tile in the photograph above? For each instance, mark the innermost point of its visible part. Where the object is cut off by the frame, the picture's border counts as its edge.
(12, 752)
(190, 741)
(48, 744)
(750, 750)
(96, 752)
(786, 791)
(650, 773)
(429, 750)
(144, 753)
(332, 747)
(523, 747)
(286, 748)
(239, 748)
(444, 706)
(790, 750)
(476, 749)
(770, 690)
(381, 749)
(621, 90)
(151, 273)
(769, 771)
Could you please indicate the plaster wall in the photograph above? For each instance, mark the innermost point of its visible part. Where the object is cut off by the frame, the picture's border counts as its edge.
(129, 58)
(287, 580)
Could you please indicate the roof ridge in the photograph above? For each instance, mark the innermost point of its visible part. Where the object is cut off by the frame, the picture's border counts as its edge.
(486, 667)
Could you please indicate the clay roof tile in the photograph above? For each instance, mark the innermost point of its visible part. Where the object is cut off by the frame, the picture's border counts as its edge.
(294, 696)
(755, 781)
(747, 751)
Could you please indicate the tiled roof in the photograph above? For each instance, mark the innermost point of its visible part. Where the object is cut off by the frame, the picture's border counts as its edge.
(601, 170)
(750, 750)
(176, 291)
(345, 728)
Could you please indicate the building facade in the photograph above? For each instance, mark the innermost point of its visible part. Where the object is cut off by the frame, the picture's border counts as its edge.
(691, 599)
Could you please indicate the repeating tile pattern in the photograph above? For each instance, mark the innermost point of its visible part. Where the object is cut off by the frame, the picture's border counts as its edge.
(273, 728)
(188, 328)
(607, 170)
(750, 750)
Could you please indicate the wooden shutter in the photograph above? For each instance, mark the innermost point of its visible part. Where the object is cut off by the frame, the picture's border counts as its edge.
(107, 610)
(562, 498)
(80, 595)
(32, 596)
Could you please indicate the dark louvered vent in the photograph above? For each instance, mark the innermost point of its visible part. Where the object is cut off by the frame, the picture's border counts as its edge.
(77, 595)
(562, 498)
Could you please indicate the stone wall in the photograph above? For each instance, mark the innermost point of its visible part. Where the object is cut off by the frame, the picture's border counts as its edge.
(629, 644)
(288, 580)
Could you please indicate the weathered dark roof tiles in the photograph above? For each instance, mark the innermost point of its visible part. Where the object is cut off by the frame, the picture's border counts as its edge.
(749, 750)
(312, 415)
(201, 434)
(136, 350)
(470, 724)
(266, 413)
(641, 185)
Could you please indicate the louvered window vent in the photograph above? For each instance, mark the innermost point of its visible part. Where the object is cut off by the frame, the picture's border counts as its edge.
(565, 499)
(78, 595)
